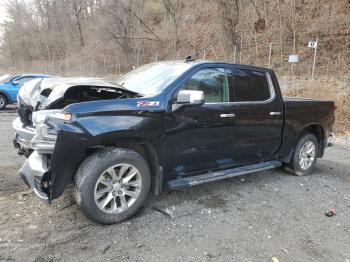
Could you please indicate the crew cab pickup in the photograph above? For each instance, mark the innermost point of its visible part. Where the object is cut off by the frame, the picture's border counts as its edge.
(171, 124)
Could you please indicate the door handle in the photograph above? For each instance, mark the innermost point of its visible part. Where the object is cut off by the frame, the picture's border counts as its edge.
(227, 115)
(275, 113)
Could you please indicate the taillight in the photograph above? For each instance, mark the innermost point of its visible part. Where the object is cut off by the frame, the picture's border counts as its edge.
(334, 108)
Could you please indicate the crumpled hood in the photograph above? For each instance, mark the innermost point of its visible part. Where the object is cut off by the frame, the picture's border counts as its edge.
(41, 93)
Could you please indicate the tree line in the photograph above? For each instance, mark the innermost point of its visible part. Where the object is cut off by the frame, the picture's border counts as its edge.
(113, 36)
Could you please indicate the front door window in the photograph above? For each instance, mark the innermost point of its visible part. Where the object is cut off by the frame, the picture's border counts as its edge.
(212, 81)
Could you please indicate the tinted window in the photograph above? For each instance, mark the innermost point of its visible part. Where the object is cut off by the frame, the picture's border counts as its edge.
(212, 81)
(247, 85)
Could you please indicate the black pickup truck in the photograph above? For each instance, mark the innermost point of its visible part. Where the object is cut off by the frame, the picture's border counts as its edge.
(170, 124)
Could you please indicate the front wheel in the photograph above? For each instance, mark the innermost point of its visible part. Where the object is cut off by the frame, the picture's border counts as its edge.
(304, 156)
(112, 185)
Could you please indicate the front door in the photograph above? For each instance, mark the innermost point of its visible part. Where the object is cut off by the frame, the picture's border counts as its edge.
(200, 137)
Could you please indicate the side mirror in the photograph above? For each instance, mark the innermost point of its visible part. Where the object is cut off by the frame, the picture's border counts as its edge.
(192, 97)
(188, 97)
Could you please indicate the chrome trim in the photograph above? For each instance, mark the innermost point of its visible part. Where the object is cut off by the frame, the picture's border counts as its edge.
(227, 115)
(275, 113)
(31, 138)
(33, 171)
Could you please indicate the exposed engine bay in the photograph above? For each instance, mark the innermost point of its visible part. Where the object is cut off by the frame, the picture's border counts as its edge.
(57, 93)
(42, 98)
(84, 93)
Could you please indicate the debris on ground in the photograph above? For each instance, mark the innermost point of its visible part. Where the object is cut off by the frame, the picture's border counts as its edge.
(68, 205)
(106, 249)
(331, 212)
(274, 259)
(23, 195)
(165, 212)
(284, 250)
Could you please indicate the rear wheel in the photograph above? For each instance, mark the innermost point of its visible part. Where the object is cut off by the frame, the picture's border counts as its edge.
(3, 102)
(112, 185)
(304, 157)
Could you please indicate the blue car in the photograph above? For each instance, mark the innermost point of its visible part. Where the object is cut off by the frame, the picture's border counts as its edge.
(10, 85)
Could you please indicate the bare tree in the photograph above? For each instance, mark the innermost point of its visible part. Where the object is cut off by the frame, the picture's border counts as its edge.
(76, 10)
(84, 36)
(173, 9)
(230, 11)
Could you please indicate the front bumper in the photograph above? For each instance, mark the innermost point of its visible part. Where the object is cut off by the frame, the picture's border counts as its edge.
(53, 159)
(28, 139)
(37, 145)
(35, 173)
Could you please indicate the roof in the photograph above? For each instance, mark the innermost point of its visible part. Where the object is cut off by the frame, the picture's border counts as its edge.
(203, 62)
(35, 75)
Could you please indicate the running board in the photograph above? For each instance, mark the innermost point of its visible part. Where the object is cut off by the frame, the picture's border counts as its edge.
(223, 174)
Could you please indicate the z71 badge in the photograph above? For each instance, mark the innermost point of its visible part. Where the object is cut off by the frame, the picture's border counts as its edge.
(147, 103)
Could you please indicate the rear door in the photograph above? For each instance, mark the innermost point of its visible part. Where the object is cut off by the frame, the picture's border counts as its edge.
(259, 119)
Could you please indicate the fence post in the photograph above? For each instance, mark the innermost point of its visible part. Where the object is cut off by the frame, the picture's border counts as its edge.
(268, 63)
(234, 54)
(117, 68)
(240, 50)
(92, 65)
(66, 64)
(212, 48)
(104, 65)
(313, 65)
(137, 58)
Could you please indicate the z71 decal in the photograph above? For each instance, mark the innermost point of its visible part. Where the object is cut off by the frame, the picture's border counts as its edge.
(147, 103)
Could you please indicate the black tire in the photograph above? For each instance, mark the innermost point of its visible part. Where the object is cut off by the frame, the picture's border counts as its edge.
(90, 171)
(3, 102)
(294, 167)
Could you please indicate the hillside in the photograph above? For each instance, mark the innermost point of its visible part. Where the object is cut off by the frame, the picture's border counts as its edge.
(106, 37)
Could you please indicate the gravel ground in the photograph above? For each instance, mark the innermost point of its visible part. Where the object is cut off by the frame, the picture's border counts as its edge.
(250, 218)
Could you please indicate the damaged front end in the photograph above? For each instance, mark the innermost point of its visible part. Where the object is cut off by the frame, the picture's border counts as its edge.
(46, 134)
(38, 145)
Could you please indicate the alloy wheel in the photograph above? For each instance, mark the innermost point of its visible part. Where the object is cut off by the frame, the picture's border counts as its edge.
(307, 155)
(2, 102)
(117, 188)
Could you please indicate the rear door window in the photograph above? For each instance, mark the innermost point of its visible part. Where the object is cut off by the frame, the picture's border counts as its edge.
(248, 86)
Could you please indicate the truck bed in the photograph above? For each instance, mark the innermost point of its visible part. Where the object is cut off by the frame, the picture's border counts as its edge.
(300, 113)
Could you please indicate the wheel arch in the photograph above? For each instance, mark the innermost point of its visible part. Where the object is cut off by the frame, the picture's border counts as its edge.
(7, 97)
(147, 150)
(318, 131)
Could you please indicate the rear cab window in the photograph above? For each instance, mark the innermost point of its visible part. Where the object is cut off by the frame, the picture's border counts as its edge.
(248, 86)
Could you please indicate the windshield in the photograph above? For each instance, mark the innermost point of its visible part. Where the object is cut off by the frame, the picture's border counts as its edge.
(5, 78)
(152, 79)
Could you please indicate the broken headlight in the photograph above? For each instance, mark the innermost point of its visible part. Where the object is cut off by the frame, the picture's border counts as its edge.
(39, 117)
(45, 137)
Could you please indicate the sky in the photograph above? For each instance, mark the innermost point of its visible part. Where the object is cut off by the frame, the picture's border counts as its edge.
(2, 10)
(2, 15)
